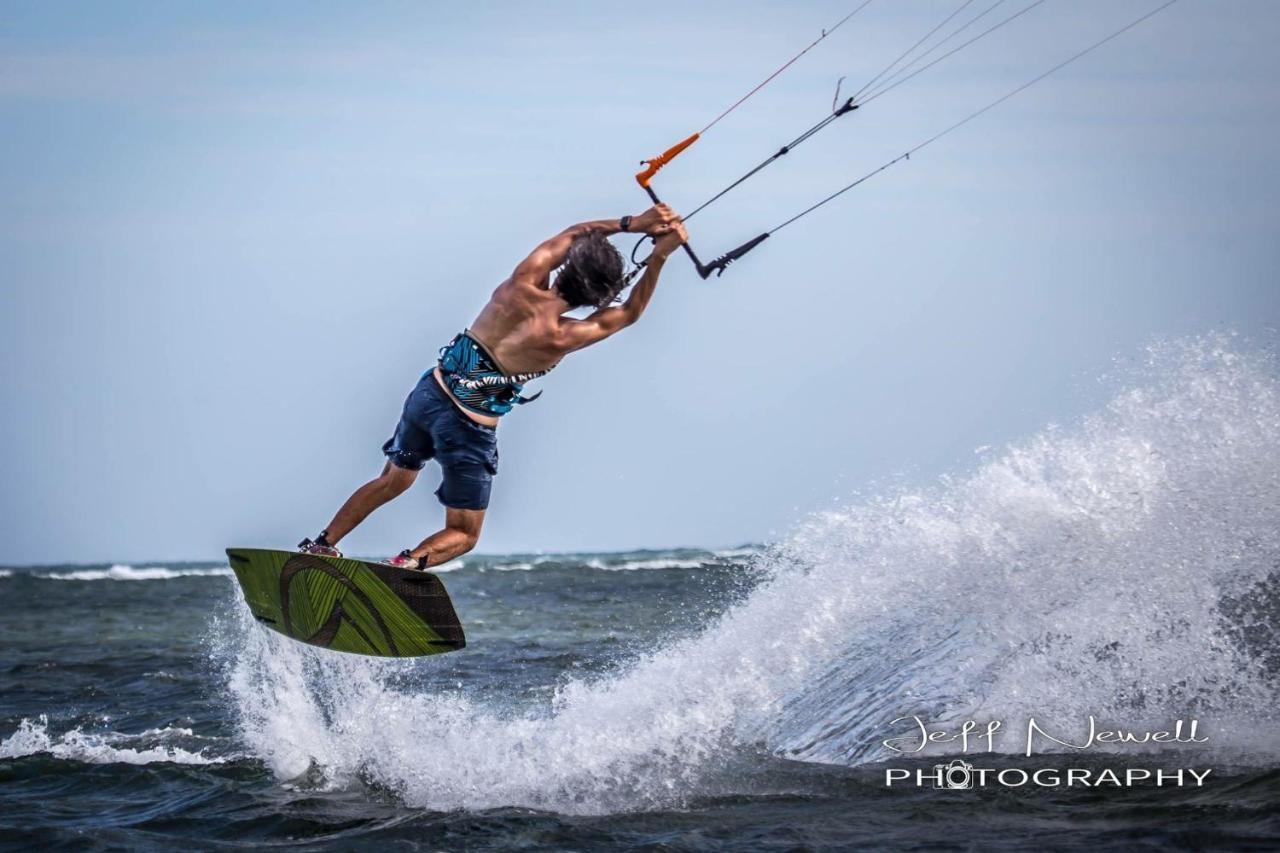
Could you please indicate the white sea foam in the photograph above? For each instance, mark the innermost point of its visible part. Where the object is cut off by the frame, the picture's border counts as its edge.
(149, 747)
(521, 566)
(514, 564)
(129, 573)
(650, 564)
(1106, 569)
(605, 564)
(4, 573)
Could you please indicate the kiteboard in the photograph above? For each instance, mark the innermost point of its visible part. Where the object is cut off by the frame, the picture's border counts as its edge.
(348, 605)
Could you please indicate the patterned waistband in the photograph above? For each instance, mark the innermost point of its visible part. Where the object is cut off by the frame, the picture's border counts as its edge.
(473, 377)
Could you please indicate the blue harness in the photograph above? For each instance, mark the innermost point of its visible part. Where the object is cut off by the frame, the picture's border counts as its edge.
(473, 377)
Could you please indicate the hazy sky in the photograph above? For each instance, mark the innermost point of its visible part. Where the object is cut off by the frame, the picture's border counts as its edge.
(232, 235)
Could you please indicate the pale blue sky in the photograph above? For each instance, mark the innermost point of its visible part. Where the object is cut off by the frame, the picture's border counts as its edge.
(233, 234)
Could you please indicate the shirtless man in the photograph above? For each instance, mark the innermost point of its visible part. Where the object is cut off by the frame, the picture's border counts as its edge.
(452, 413)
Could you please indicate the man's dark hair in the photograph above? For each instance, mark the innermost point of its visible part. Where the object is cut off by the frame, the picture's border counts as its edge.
(592, 272)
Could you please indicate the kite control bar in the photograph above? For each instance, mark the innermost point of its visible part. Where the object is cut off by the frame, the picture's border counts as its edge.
(643, 178)
(718, 265)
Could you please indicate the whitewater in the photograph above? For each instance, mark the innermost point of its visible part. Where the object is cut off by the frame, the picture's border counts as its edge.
(1122, 567)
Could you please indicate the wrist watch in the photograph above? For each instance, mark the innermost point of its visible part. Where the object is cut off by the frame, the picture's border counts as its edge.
(625, 223)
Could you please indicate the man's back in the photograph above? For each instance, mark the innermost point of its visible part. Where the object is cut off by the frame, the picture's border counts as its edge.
(520, 326)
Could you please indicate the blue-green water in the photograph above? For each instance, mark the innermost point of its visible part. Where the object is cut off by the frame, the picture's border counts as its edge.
(141, 709)
(1125, 569)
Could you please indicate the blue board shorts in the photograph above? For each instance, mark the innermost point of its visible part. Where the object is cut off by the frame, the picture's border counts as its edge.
(432, 427)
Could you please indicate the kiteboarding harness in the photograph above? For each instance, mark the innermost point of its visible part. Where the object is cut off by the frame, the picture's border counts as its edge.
(476, 380)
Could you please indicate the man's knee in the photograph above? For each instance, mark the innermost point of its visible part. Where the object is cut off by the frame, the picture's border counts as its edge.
(465, 524)
(467, 540)
(395, 481)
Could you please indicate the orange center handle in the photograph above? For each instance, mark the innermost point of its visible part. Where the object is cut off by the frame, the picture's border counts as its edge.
(642, 178)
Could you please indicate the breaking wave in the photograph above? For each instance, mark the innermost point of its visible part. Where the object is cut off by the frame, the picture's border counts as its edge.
(650, 564)
(1124, 568)
(129, 573)
(150, 747)
(620, 562)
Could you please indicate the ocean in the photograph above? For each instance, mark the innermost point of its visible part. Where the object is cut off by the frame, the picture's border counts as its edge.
(1119, 574)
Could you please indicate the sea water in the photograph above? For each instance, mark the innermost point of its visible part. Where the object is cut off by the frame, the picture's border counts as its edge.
(1117, 575)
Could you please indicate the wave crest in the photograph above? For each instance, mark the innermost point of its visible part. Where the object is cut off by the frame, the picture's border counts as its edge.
(129, 573)
(1095, 570)
(149, 747)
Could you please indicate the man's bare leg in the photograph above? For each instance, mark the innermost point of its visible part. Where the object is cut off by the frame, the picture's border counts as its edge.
(391, 483)
(460, 534)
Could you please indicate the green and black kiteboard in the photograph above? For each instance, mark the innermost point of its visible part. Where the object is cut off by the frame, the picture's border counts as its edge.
(348, 605)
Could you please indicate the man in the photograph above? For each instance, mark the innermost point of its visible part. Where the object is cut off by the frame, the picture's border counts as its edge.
(452, 414)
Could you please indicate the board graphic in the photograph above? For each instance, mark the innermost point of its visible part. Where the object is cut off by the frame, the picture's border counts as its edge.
(348, 605)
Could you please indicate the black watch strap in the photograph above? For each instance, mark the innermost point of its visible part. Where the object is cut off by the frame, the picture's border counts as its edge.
(625, 223)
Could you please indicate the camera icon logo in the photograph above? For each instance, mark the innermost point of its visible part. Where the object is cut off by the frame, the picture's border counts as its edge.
(956, 775)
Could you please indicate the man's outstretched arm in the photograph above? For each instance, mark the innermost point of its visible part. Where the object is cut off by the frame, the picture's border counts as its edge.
(608, 321)
(551, 253)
